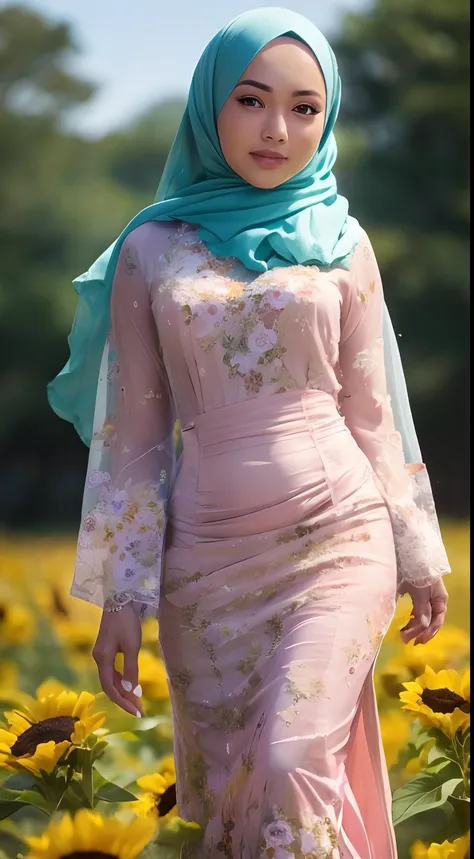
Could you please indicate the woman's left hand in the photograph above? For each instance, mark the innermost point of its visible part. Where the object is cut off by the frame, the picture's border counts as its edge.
(429, 611)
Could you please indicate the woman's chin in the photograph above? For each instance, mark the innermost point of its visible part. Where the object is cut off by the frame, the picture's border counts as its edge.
(263, 180)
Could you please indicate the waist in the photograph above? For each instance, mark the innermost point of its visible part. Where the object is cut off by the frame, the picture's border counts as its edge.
(274, 415)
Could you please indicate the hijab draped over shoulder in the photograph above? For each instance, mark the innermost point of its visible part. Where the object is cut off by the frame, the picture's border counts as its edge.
(304, 221)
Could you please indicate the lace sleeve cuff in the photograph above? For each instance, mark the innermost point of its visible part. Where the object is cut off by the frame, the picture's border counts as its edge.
(120, 545)
(421, 555)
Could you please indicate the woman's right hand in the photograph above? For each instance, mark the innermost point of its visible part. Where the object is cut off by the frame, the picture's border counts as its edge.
(120, 632)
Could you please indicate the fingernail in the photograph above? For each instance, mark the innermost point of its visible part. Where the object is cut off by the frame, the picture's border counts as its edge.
(127, 685)
(424, 620)
(139, 715)
(138, 691)
(435, 633)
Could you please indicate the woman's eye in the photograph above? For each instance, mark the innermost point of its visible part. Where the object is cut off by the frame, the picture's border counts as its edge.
(308, 109)
(249, 98)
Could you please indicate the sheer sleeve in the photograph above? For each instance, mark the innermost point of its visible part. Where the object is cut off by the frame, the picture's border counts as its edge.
(132, 456)
(368, 412)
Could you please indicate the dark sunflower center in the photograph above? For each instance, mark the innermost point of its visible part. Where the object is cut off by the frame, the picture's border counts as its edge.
(166, 801)
(444, 701)
(89, 854)
(81, 648)
(58, 602)
(58, 729)
(3, 612)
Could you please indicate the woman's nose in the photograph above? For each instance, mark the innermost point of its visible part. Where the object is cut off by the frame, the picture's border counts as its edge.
(275, 129)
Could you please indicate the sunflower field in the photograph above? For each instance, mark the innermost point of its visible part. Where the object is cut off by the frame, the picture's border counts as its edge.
(81, 778)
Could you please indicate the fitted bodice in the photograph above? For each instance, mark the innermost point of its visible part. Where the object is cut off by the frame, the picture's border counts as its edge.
(228, 334)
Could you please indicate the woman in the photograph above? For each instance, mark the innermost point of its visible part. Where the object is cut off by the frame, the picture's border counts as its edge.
(248, 304)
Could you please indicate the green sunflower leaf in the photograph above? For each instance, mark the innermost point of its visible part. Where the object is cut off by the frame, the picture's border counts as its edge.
(110, 792)
(35, 798)
(75, 797)
(430, 789)
(439, 762)
(462, 807)
(98, 750)
(7, 794)
(7, 808)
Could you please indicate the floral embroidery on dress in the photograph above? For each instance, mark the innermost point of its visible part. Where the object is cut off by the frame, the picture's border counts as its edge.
(125, 528)
(367, 360)
(107, 434)
(242, 317)
(198, 786)
(301, 685)
(287, 838)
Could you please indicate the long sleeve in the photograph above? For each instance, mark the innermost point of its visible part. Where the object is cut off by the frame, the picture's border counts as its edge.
(368, 412)
(132, 457)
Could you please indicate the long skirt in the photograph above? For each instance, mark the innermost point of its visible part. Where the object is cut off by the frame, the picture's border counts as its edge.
(279, 585)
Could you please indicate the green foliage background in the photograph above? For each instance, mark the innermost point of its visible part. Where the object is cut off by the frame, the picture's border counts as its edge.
(403, 162)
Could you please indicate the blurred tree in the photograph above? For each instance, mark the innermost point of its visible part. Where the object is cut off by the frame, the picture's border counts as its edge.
(33, 53)
(136, 156)
(405, 71)
(35, 241)
(63, 199)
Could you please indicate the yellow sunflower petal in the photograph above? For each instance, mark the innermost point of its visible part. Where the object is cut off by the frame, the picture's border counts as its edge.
(167, 764)
(49, 687)
(39, 847)
(154, 783)
(18, 723)
(412, 686)
(137, 835)
(89, 832)
(45, 757)
(83, 729)
(84, 702)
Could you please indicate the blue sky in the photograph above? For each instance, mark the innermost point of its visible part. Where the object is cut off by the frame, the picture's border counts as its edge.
(139, 51)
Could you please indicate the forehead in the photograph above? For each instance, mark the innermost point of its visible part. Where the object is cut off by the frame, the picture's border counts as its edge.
(287, 57)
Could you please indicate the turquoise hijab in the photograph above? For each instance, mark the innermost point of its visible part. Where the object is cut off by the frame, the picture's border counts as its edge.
(304, 221)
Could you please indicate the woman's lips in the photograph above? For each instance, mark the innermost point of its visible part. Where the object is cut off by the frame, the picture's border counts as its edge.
(268, 162)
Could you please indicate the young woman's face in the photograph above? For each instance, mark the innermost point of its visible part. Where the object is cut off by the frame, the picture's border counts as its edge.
(271, 125)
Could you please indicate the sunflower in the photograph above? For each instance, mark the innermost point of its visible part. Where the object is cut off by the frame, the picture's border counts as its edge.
(17, 625)
(440, 699)
(9, 675)
(166, 764)
(159, 798)
(447, 850)
(38, 736)
(90, 836)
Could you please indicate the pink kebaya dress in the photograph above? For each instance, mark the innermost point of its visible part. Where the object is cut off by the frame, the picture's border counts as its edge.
(272, 548)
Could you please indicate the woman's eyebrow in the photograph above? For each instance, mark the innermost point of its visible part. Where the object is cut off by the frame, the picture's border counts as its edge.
(267, 88)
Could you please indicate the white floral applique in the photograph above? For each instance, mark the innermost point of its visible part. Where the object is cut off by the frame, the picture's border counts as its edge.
(125, 530)
(288, 838)
(368, 360)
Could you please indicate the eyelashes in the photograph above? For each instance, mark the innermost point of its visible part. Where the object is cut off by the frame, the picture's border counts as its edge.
(247, 98)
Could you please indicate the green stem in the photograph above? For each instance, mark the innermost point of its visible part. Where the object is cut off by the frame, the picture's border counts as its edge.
(464, 764)
(87, 779)
(70, 773)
